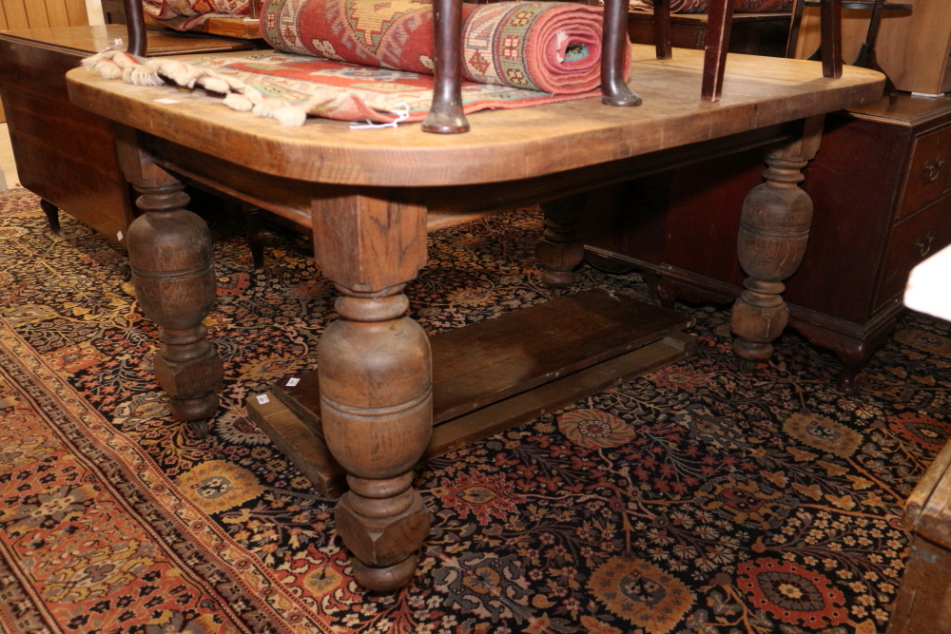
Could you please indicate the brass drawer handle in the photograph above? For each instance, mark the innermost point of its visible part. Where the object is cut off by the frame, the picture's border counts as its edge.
(923, 245)
(933, 168)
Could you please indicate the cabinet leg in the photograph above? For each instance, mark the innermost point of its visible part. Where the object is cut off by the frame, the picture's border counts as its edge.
(774, 229)
(170, 254)
(52, 214)
(255, 238)
(560, 251)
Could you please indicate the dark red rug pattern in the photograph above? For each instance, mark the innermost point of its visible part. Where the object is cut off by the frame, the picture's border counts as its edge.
(695, 499)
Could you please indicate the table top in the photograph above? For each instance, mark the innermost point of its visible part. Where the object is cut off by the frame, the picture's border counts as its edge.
(503, 145)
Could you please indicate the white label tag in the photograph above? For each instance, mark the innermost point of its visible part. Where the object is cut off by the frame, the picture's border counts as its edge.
(263, 399)
(119, 236)
(165, 100)
(292, 382)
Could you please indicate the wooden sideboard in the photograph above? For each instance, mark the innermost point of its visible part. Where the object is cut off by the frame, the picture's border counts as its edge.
(64, 154)
(882, 198)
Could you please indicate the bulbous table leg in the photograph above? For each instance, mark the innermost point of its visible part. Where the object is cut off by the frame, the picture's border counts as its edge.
(376, 405)
(174, 279)
(774, 229)
(560, 251)
(375, 375)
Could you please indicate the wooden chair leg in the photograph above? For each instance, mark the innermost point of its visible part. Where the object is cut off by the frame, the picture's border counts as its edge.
(798, 7)
(135, 24)
(662, 29)
(719, 23)
(614, 89)
(831, 18)
(445, 114)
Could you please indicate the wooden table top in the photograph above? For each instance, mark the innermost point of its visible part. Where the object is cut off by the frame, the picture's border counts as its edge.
(503, 145)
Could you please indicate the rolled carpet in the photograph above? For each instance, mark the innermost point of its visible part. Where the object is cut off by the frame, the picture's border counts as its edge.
(552, 47)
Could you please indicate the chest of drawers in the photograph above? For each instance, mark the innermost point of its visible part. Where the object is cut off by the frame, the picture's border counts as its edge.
(882, 196)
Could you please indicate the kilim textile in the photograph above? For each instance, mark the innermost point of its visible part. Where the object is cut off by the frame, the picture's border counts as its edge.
(702, 6)
(698, 499)
(553, 47)
(289, 87)
(187, 14)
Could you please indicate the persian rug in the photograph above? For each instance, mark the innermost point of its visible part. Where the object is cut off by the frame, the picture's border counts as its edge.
(183, 15)
(696, 499)
(702, 6)
(350, 60)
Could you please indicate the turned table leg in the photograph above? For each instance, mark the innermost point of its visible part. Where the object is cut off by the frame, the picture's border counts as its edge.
(774, 228)
(560, 251)
(375, 375)
(172, 271)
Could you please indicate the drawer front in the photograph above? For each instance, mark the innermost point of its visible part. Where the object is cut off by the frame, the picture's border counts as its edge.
(913, 240)
(929, 170)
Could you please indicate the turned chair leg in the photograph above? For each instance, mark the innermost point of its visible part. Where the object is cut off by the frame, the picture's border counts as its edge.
(52, 214)
(446, 115)
(135, 25)
(662, 29)
(719, 24)
(614, 88)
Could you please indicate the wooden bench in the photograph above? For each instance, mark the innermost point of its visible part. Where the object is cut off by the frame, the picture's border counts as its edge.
(924, 600)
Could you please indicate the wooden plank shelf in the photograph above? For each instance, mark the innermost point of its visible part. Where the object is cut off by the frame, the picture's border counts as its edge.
(499, 373)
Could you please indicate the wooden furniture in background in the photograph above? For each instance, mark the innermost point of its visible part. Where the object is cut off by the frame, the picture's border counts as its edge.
(913, 47)
(924, 598)
(882, 195)
(751, 34)
(41, 14)
(29, 14)
(369, 200)
(64, 154)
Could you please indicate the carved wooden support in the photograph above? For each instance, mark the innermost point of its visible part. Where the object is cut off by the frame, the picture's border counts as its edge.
(172, 271)
(774, 228)
(375, 374)
(560, 251)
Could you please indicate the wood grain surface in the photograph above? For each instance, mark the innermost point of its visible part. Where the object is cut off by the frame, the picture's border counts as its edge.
(502, 145)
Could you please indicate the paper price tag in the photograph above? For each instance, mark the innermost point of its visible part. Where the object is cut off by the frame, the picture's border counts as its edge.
(262, 399)
(292, 382)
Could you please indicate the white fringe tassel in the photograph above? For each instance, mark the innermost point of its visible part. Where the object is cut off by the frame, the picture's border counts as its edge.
(111, 64)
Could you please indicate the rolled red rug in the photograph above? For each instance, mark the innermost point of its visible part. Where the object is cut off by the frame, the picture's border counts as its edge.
(553, 47)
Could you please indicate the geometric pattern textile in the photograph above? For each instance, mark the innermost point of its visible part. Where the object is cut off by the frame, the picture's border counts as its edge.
(187, 14)
(553, 47)
(289, 87)
(698, 498)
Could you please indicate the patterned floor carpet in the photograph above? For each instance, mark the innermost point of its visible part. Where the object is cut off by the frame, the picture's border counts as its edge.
(696, 499)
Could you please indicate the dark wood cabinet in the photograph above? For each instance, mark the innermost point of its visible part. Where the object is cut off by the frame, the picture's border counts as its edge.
(882, 203)
(64, 154)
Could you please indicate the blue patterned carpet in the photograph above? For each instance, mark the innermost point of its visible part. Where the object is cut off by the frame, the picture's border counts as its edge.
(696, 499)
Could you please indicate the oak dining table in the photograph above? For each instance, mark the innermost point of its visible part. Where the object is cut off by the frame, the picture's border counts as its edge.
(370, 197)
